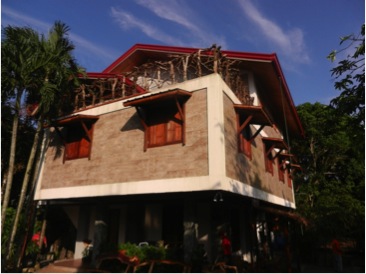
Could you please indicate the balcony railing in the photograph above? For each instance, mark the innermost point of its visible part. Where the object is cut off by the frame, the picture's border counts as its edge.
(98, 88)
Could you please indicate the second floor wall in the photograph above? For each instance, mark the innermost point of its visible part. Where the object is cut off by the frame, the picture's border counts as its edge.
(208, 160)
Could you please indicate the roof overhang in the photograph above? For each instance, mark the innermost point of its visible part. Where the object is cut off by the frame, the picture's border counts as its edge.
(275, 143)
(259, 117)
(273, 90)
(152, 98)
(74, 119)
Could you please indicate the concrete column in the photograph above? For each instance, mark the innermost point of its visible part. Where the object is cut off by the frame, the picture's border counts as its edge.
(153, 222)
(100, 232)
(82, 230)
(245, 245)
(204, 227)
(122, 225)
(189, 226)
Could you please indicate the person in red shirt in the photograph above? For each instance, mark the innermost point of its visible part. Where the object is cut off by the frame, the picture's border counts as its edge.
(226, 247)
(337, 255)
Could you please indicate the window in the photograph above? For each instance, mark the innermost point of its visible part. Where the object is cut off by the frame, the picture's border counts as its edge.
(164, 126)
(246, 116)
(281, 169)
(78, 135)
(268, 159)
(289, 179)
(162, 115)
(78, 142)
(272, 149)
(245, 142)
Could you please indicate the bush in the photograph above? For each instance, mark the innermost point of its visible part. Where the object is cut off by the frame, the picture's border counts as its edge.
(143, 253)
(132, 250)
(154, 252)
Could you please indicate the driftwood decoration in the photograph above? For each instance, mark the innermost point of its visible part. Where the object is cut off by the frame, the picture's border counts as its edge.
(158, 73)
(95, 91)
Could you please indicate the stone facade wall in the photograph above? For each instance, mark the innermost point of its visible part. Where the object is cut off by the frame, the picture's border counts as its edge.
(117, 151)
(252, 172)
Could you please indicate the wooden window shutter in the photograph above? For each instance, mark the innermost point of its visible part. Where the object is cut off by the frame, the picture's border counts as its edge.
(281, 170)
(268, 159)
(157, 135)
(245, 142)
(72, 146)
(85, 144)
(174, 129)
(165, 126)
(78, 144)
(72, 150)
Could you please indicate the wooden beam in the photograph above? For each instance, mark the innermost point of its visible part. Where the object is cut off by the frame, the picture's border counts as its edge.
(256, 133)
(246, 122)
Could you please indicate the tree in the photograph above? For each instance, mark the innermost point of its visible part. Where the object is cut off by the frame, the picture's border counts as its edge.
(350, 77)
(56, 72)
(331, 189)
(327, 192)
(16, 78)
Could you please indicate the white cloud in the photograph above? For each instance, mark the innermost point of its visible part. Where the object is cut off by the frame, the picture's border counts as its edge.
(16, 18)
(181, 14)
(290, 43)
(128, 21)
(12, 16)
(172, 11)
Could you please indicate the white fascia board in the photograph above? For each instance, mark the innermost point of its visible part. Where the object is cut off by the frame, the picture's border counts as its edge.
(127, 188)
(240, 188)
(191, 184)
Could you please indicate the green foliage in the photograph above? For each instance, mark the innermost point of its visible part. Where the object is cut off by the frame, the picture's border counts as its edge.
(5, 233)
(146, 252)
(153, 252)
(132, 250)
(32, 248)
(38, 75)
(330, 191)
(350, 77)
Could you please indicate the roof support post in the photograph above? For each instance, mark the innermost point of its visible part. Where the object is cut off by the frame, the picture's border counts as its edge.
(246, 122)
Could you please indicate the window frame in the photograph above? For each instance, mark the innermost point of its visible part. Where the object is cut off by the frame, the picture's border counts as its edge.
(245, 116)
(269, 145)
(148, 102)
(79, 146)
(245, 142)
(164, 124)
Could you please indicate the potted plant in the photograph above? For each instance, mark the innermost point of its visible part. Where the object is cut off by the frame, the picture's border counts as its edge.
(131, 253)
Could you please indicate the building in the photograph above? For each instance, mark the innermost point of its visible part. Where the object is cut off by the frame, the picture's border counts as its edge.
(177, 145)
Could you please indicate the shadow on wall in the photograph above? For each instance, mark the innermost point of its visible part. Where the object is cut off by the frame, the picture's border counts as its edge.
(133, 123)
(61, 233)
(56, 142)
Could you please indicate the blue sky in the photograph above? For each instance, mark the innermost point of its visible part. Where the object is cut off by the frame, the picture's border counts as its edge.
(301, 32)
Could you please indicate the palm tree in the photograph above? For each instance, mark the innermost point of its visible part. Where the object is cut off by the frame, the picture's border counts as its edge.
(57, 72)
(16, 78)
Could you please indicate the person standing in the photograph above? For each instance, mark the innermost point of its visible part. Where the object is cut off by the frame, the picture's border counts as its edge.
(337, 255)
(226, 247)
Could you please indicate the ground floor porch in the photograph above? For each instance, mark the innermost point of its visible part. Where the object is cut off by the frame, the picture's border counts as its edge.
(189, 225)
